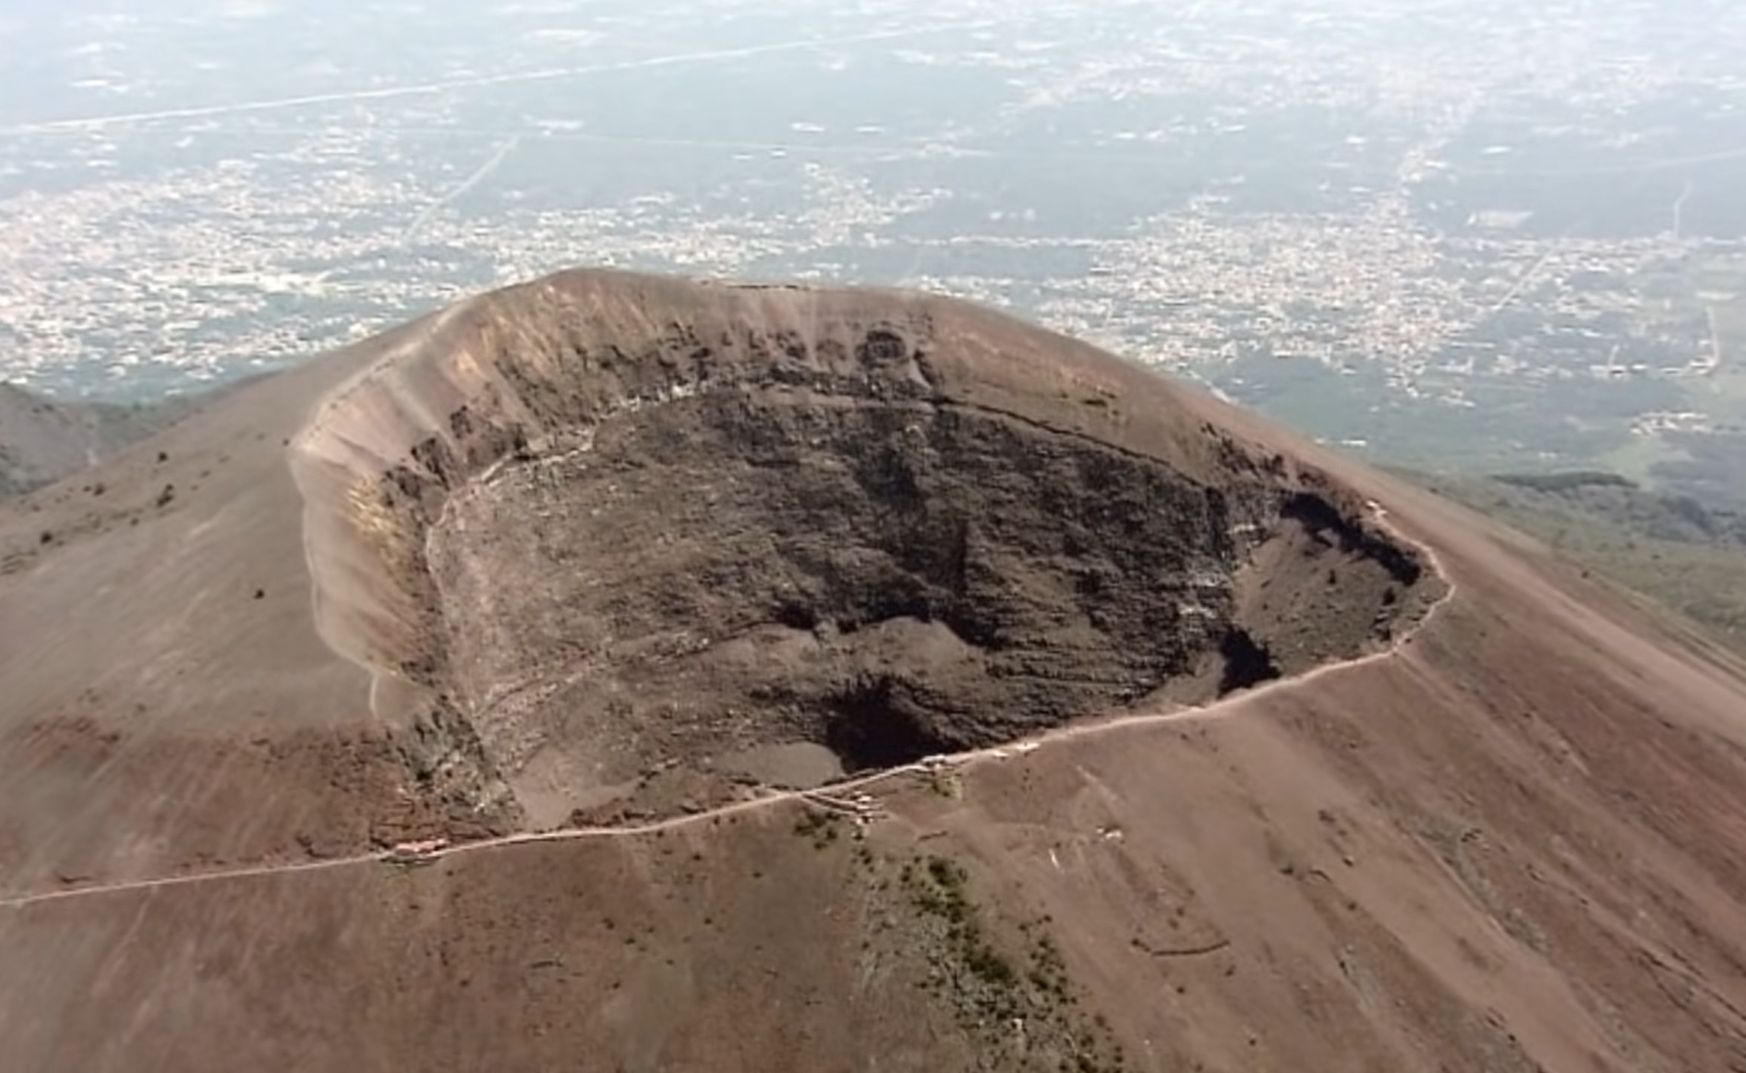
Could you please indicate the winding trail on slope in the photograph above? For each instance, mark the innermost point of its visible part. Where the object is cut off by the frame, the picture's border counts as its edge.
(776, 798)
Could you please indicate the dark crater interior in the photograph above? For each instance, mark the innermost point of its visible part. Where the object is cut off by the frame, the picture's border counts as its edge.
(754, 565)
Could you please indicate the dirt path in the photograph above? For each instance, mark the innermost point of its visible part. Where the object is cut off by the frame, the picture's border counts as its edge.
(994, 752)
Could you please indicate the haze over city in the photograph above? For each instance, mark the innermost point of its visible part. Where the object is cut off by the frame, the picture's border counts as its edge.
(1500, 234)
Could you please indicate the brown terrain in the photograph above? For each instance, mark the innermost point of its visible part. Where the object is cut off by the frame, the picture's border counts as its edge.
(777, 679)
(42, 440)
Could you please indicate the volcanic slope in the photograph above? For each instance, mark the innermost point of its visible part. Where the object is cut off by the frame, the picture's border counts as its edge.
(42, 440)
(1266, 761)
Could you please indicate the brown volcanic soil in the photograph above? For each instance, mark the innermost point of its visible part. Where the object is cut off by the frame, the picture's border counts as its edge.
(1511, 842)
(43, 440)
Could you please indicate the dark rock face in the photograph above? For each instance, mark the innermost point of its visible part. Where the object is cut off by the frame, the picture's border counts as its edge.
(1247, 663)
(933, 576)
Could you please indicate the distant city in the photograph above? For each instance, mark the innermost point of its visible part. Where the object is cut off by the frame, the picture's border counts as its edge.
(1463, 233)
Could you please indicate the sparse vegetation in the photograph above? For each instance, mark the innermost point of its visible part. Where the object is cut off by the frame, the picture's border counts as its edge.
(1017, 997)
(1568, 481)
(944, 781)
(1669, 548)
(819, 826)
